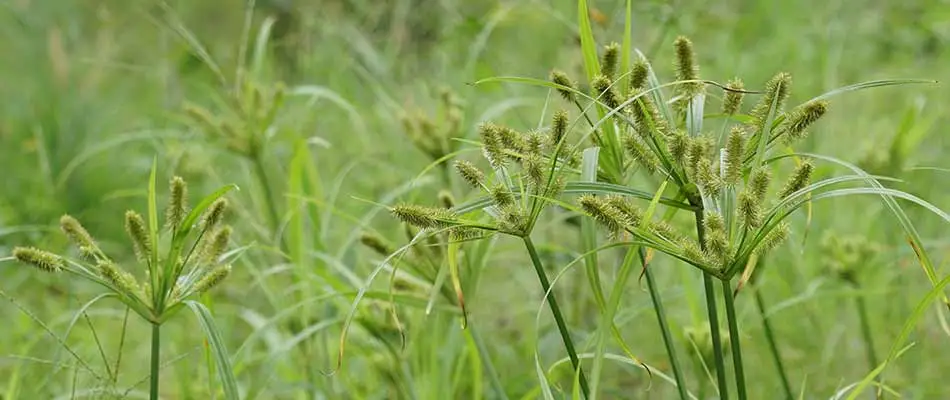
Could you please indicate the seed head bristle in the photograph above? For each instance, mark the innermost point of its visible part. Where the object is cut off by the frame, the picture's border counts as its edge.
(686, 68)
(632, 214)
(610, 60)
(470, 173)
(212, 278)
(135, 227)
(732, 99)
(678, 145)
(463, 234)
(777, 91)
(646, 117)
(534, 170)
(40, 259)
(512, 220)
(696, 150)
(605, 92)
(749, 209)
(122, 280)
(641, 153)
(735, 151)
(534, 143)
(798, 180)
(708, 180)
(175, 212)
(802, 117)
(501, 196)
(423, 217)
(79, 236)
(774, 238)
(559, 127)
(692, 251)
(215, 213)
(607, 216)
(446, 199)
(717, 243)
(759, 184)
(560, 78)
(216, 246)
(376, 243)
(492, 145)
(666, 231)
(638, 75)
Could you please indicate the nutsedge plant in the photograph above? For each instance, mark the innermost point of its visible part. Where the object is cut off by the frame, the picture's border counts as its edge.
(176, 261)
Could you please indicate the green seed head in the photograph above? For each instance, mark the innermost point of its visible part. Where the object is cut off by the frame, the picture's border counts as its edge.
(717, 243)
(774, 238)
(609, 217)
(560, 78)
(646, 117)
(641, 153)
(40, 259)
(631, 214)
(735, 148)
(212, 278)
(559, 127)
(679, 144)
(759, 184)
(638, 76)
(610, 60)
(501, 196)
(121, 279)
(776, 90)
(732, 99)
(493, 148)
(605, 92)
(376, 243)
(696, 150)
(514, 221)
(534, 169)
(135, 227)
(215, 213)
(802, 117)
(423, 217)
(79, 236)
(446, 199)
(470, 173)
(463, 234)
(216, 246)
(707, 179)
(175, 212)
(686, 68)
(749, 209)
(799, 179)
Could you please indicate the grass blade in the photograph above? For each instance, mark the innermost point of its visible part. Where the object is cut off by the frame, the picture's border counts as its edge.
(218, 349)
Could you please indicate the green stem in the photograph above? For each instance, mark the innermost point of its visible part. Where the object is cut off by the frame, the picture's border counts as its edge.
(712, 312)
(734, 338)
(487, 363)
(773, 347)
(866, 330)
(558, 317)
(268, 192)
(664, 327)
(156, 354)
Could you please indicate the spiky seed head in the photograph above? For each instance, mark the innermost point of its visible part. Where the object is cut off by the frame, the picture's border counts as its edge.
(203, 118)
(79, 236)
(501, 196)
(605, 92)
(560, 78)
(798, 180)
(632, 214)
(534, 169)
(641, 153)
(212, 278)
(774, 238)
(759, 184)
(492, 145)
(612, 219)
(692, 251)
(686, 68)
(732, 98)
(121, 279)
(511, 140)
(665, 230)
(470, 173)
(423, 217)
(708, 180)
(175, 212)
(749, 209)
(512, 220)
(776, 91)
(215, 213)
(559, 127)
(376, 243)
(735, 151)
(40, 259)
(216, 246)
(802, 117)
(135, 227)
(446, 199)
(646, 116)
(638, 75)
(610, 60)
(695, 152)
(713, 222)
(463, 234)
(717, 243)
(534, 142)
(678, 144)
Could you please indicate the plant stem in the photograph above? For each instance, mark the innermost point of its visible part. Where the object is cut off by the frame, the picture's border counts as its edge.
(664, 327)
(712, 312)
(866, 330)
(773, 347)
(268, 192)
(734, 337)
(156, 354)
(558, 317)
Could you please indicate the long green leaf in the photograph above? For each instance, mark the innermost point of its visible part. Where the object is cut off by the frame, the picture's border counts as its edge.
(157, 288)
(218, 349)
(588, 45)
(188, 223)
(869, 85)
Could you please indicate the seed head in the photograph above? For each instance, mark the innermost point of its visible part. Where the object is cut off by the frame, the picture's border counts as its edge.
(492, 145)
(759, 184)
(735, 146)
(215, 213)
(423, 217)
(678, 144)
(692, 251)
(135, 227)
(376, 243)
(560, 78)
(609, 217)
(610, 60)
(122, 280)
(665, 230)
(501, 196)
(534, 170)
(641, 153)
(638, 76)
(40, 259)
(774, 238)
(79, 236)
(799, 179)
(176, 203)
(686, 68)
(708, 180)
(212, 278)
(749, 209)
(559, 127)
(732, 99)
(717, 244)
(446, 199)
(470, 173)
(514, 221)
(605, 92)
(462, 234)
(647, 117)
(776, 90)
(216, 246)
(631, 214)
(802, 117)
(696, 150)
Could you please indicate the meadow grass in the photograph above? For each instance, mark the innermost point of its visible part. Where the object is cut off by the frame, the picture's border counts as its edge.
(329, 114)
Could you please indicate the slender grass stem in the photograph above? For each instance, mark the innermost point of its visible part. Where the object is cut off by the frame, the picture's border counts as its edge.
(487, 362)
(155, 362)
(866, 330)
(734, 338)
(558, 317)
(773, 347)
(261, 173)
(664, 327)
(711, 310)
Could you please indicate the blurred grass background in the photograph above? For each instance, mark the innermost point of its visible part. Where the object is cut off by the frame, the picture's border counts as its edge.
(95, 89)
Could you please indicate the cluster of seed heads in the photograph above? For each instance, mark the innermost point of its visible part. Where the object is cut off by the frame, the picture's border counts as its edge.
(243, 126)
(435, 137)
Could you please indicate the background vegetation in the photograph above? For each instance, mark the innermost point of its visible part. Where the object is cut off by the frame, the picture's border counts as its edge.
(96, 89)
